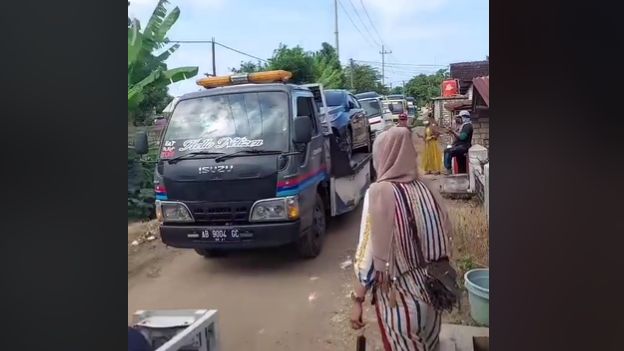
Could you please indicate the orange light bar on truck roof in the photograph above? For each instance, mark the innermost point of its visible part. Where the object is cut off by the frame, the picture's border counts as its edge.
(257, 77)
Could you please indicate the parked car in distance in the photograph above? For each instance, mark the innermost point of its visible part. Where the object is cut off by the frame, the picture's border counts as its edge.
(397, 105)
(377, 114)
(411, 106)
(348, 120)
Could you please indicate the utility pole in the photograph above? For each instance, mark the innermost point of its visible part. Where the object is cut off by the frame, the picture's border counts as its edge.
(351, 62)
(214, 65)
(336, 26)
(383, 53)
(403, 87)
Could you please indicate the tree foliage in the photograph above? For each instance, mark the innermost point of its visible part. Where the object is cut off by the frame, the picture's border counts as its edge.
(365, 78)
(425, 87)
(146, 70)
(327, 68)
(295, 60)
(397, 90)
(323, 66)
(249, 67)
(148, 77)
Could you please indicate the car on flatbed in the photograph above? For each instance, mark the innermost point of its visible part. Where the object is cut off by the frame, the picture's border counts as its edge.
(348, 120)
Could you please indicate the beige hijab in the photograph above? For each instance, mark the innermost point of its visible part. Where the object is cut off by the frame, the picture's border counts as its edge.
(394, 159)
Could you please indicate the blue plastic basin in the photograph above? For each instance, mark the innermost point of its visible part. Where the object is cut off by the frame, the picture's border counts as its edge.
(477, 283)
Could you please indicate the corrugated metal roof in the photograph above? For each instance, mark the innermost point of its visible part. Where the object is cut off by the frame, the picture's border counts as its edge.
(482, 84)
(466, 71)
(459, 105)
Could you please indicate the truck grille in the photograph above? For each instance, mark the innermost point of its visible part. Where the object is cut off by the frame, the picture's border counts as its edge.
(220, 213)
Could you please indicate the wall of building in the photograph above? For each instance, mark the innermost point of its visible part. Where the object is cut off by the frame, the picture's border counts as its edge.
(481, 131)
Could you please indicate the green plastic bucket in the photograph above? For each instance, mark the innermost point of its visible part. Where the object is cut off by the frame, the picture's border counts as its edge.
(477, 283)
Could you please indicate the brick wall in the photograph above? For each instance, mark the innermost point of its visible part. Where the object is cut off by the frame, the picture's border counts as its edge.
(481, 133)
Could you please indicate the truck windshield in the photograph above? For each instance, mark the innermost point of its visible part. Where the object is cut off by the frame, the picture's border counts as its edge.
(230, 121)
(396, 107)
(372, 107)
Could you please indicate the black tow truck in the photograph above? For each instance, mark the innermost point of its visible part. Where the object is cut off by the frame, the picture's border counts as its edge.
(251, 162)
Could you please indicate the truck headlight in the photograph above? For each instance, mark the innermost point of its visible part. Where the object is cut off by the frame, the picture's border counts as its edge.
(170, 211)
(279, 209)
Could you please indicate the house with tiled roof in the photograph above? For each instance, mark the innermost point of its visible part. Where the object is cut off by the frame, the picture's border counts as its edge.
(465, 72)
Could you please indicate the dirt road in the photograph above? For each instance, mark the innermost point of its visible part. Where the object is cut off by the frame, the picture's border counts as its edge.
(267, 300)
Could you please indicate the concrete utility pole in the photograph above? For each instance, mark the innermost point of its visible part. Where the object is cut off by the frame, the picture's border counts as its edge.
(351, 62)
(214, 65)
(383, 53)
(336, 26)
(403, 87)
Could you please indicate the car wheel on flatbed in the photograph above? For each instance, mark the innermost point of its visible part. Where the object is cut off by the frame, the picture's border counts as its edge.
(209, 253)
(310, 244)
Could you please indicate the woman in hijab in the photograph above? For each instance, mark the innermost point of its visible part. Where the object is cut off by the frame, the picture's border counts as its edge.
(404, 228)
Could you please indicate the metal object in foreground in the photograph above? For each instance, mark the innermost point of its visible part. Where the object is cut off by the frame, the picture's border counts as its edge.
(179, 330)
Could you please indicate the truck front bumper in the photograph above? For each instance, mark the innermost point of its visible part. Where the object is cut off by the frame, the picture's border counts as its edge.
(257, 235)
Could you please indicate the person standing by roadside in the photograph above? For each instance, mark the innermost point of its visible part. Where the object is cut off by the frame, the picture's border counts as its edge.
(432, 156)
(403, 120)
(404, 230)
(462, 142)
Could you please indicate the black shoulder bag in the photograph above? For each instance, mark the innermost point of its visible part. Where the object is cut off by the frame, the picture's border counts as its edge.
(441, 278)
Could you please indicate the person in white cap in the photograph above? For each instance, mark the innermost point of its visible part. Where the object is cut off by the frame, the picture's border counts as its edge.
(462, 142)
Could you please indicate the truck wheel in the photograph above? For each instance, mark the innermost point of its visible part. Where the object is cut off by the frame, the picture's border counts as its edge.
(208, 253)
(369, 145)
(349, 143)
(310, 244)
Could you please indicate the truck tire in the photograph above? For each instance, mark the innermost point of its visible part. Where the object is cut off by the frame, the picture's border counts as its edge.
(368, 147)
(209, 253)
(349, 144)
(310, 244)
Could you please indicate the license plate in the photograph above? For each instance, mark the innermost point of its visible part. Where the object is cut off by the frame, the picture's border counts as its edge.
(220, 235)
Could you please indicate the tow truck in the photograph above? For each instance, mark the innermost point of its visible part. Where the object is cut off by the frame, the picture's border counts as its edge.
(251, 162)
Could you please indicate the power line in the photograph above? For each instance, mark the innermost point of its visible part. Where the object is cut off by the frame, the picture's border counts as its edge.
(401, 68)
(363, 24)
(371, 21)
(240, 52)
(355, 26)
(217, 43)
(403, 64)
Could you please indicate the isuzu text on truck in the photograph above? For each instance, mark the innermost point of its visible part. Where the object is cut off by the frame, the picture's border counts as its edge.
(250, 162)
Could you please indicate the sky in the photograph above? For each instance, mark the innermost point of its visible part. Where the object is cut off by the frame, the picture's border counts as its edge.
(423, 35)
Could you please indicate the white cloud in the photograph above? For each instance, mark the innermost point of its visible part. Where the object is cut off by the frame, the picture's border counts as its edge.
(142, 9)
(400, 19)
(398, 9)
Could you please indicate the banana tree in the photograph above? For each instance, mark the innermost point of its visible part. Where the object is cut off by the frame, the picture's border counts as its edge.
(141, 45)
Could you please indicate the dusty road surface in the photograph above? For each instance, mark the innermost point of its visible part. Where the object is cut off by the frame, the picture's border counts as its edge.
(267, 300)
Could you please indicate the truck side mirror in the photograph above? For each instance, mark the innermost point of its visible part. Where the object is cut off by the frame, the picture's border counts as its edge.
(302, 129)
(141, 145)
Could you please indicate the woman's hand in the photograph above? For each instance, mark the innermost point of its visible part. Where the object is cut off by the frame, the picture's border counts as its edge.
(356, 316)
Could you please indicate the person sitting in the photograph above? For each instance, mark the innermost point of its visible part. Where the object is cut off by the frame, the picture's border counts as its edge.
(461, 144)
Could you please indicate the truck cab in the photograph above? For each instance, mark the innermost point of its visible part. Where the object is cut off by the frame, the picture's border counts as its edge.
(248, 165)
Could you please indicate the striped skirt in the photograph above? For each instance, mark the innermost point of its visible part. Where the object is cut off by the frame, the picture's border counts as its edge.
(413, 324)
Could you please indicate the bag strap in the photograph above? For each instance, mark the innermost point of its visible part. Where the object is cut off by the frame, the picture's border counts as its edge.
(420, 257)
